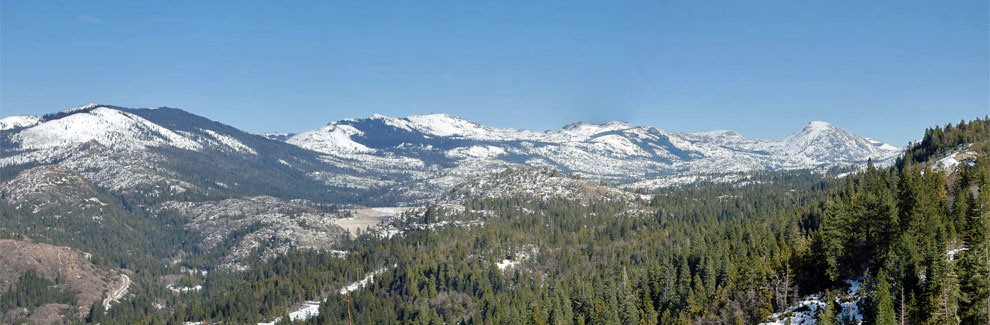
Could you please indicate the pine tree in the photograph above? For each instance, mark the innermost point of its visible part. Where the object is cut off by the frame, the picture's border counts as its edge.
(96, 312)
(684, 281)
(884, 309)
(974, 264)
(941, 289)
(828, 315)
(431, 215)
(828, 241)
(536, 315)
(627, 302)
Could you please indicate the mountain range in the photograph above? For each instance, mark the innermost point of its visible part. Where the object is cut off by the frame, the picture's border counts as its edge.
(388, 160)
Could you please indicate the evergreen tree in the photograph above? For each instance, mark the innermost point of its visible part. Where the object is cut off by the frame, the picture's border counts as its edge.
(96, 312)
(884, 303)
(828, 315)
(974, 264)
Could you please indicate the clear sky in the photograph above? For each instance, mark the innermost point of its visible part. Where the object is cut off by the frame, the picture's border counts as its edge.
(884, 69)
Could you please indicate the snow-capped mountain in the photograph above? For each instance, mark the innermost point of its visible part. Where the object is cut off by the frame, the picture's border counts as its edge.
(110, 127)
(384, 159)
(163, 151)
(440, 149)
(18, 121)
(277, 136)
(827, 143)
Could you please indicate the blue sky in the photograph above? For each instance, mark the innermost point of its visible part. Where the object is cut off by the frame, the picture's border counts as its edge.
(763, 68)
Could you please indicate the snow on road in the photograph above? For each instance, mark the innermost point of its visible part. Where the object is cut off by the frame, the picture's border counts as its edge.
(367, 279)
(312, 308)
(119, 293)
(308, 309)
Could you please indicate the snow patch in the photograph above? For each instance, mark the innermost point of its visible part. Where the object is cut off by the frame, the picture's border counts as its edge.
(363, 282)
(617, 144)
(519, 257)
(331, 139)
(185, 289)
(581, 131)
(952, 252)
(804, 313)
(230, 142)
(311, 308)
(110, 127)
(476, 152)
(947, 163)
(850, 307)
(506, 263)
(445, 125)
(18, 121)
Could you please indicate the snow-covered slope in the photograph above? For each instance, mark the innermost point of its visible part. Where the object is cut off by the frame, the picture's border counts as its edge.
(18, 121)
(277, 136)
(331, 138)
(110, 127)
(45, 188)
(160, 151)
(396, 159)
(437, 150)
(826, 143)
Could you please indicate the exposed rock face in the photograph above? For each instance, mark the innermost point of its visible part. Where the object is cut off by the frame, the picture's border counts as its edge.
(72, 268)
(160, 152)
(50, 187)
(539, 184)
(388, 160)
(264, 221)
(431, 153)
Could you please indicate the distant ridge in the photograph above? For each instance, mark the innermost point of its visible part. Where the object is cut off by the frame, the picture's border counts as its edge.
(394, 159)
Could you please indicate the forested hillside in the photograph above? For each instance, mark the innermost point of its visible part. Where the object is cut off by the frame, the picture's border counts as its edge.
(497, 162)
(913, 237)
(917, 232)
(904, 244)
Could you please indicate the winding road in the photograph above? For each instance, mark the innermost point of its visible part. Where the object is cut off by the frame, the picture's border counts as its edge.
(119, 293)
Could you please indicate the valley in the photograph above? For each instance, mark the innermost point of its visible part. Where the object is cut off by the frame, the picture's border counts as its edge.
(172, 218)
(494, 162)
(384, 161)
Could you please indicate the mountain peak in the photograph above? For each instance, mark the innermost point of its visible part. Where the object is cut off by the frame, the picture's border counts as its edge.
(18, 121)
(107, 125)
(436, 115)
(615, 124)
(582, 130)
(819, 125)
(830, 143)
(577, 125)
(375, 152)
(80, 108)
(440, 124)
(439, 117)
(719, 133)
(818, 129)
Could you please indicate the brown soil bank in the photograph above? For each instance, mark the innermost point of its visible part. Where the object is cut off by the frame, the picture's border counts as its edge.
(72, 269)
